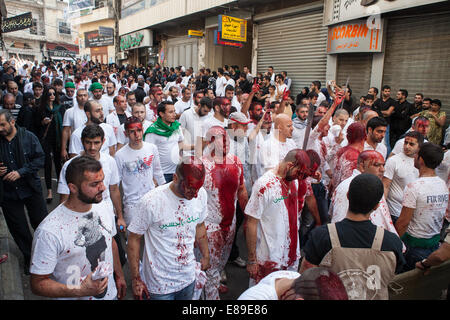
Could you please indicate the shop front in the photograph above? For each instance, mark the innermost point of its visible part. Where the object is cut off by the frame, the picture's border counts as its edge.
(136, 46)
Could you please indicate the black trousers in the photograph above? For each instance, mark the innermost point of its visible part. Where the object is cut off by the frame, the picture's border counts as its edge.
(14, 213)
(50, 148)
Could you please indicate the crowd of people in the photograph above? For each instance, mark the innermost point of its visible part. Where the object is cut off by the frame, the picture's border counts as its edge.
(323, 184)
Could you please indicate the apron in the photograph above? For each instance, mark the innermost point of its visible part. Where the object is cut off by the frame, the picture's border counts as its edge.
(365, 272)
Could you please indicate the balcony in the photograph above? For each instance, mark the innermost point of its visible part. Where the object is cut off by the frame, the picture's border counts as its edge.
(146, 13)
(105, 12)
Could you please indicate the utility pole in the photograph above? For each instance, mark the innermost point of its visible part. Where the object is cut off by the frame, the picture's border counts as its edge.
(117, 4)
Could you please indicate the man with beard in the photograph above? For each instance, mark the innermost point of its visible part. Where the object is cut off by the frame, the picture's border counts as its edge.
(84, 226)
(156, 97)
(94, 114)
(171, 218)
(369, 161)
(224, 184)
(300, 122)
(173, 94)
(185, 103)
(73, 119)
(272, 218)
(97, 94)
(376, 129)
(222, 107)
(68, 99)
(21, 157)
(110, 91)
(421, 125)
(192, 121)
(401, 118)
(120, 115)
(400, 171)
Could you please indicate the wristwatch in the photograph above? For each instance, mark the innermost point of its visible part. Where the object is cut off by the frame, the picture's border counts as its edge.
(423, 264)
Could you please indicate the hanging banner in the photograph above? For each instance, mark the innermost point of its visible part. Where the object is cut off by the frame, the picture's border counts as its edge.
(233, 29)
(16, 23)
(94, 39)
(218, 41)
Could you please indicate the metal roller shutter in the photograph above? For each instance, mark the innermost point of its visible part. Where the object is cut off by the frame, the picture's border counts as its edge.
(296, 45)
(182, 52)
(357, 66)
(418, 56)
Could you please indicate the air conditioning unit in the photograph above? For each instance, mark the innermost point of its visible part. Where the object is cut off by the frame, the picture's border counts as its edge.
(122, 56)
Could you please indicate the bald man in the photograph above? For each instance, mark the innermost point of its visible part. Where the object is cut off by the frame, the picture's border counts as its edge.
(369, 161)
(280, 143)
(9, 102)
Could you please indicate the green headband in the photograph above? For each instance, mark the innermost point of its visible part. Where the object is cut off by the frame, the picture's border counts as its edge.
(95, 85)
(70, 85)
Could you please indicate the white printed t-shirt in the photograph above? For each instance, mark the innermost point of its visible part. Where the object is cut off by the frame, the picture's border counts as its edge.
(74, 117)
(265, 289)
(400, 169)
(168, 224)
(181, 106)
(429, 197)
(76, 146)
(68, 245)
(273, 232)
(110, 171)
(137, 168)
(168, 148)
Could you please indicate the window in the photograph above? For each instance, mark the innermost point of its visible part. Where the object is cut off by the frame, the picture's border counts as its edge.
(63, 27)
(33, 28)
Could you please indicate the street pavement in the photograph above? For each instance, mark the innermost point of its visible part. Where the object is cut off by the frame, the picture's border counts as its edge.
(15, 285)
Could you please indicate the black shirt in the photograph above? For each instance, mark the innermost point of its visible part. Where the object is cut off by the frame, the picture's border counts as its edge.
(400, 119)
(122, 118)
(66, 101)
(380, 105)
(245, 86)
(352, 234)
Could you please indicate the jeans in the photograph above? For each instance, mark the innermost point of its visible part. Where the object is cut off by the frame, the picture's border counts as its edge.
(387, 140)
(168, 177)
(320, 192)
(183, 294)
(416, 254)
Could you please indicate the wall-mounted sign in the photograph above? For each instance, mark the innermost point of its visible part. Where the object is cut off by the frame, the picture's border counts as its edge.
(93, 39)
(336, 11)
(103, 31)
(218, 41)
(138, 39)
(233, 29)
(195, 33)
(354, 36)
(16, 23)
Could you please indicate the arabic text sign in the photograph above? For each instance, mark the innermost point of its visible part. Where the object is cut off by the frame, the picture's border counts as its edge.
(19, 22)
(233, 29)
(354, 36)
(94, 39)
(218, 41)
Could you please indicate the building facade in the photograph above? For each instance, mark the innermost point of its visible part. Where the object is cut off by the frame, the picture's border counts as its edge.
(49, 36)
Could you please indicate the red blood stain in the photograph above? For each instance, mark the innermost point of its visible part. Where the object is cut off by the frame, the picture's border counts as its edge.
(302, 188)
(371, 155)
(267, 268)
(356, 132)
(226, 179)
(291, 205)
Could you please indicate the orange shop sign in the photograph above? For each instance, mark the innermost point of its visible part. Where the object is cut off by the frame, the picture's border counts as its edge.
(355, 36)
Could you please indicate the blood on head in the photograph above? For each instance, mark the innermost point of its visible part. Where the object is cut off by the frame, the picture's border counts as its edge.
(356, 132)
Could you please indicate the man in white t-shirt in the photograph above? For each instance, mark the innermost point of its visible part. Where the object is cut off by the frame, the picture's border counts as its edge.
(372, 162)
(168, 137)
(315, 87)
(118, 117)
(399, 172)
(279, 144)
(110, 92)
(424, 206)
(74, 253)
(139, 111)
(184, 103)
(221, 82)
(138, 163)
(421, 125)
(221, 107)
(192, 122)
(74, 118)
(93, 138)
(171, 218)
(229, 80)
(272, 218)
(224, 184)
(97, 95)
(376, 130)
(314, 284)
(94, 113)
